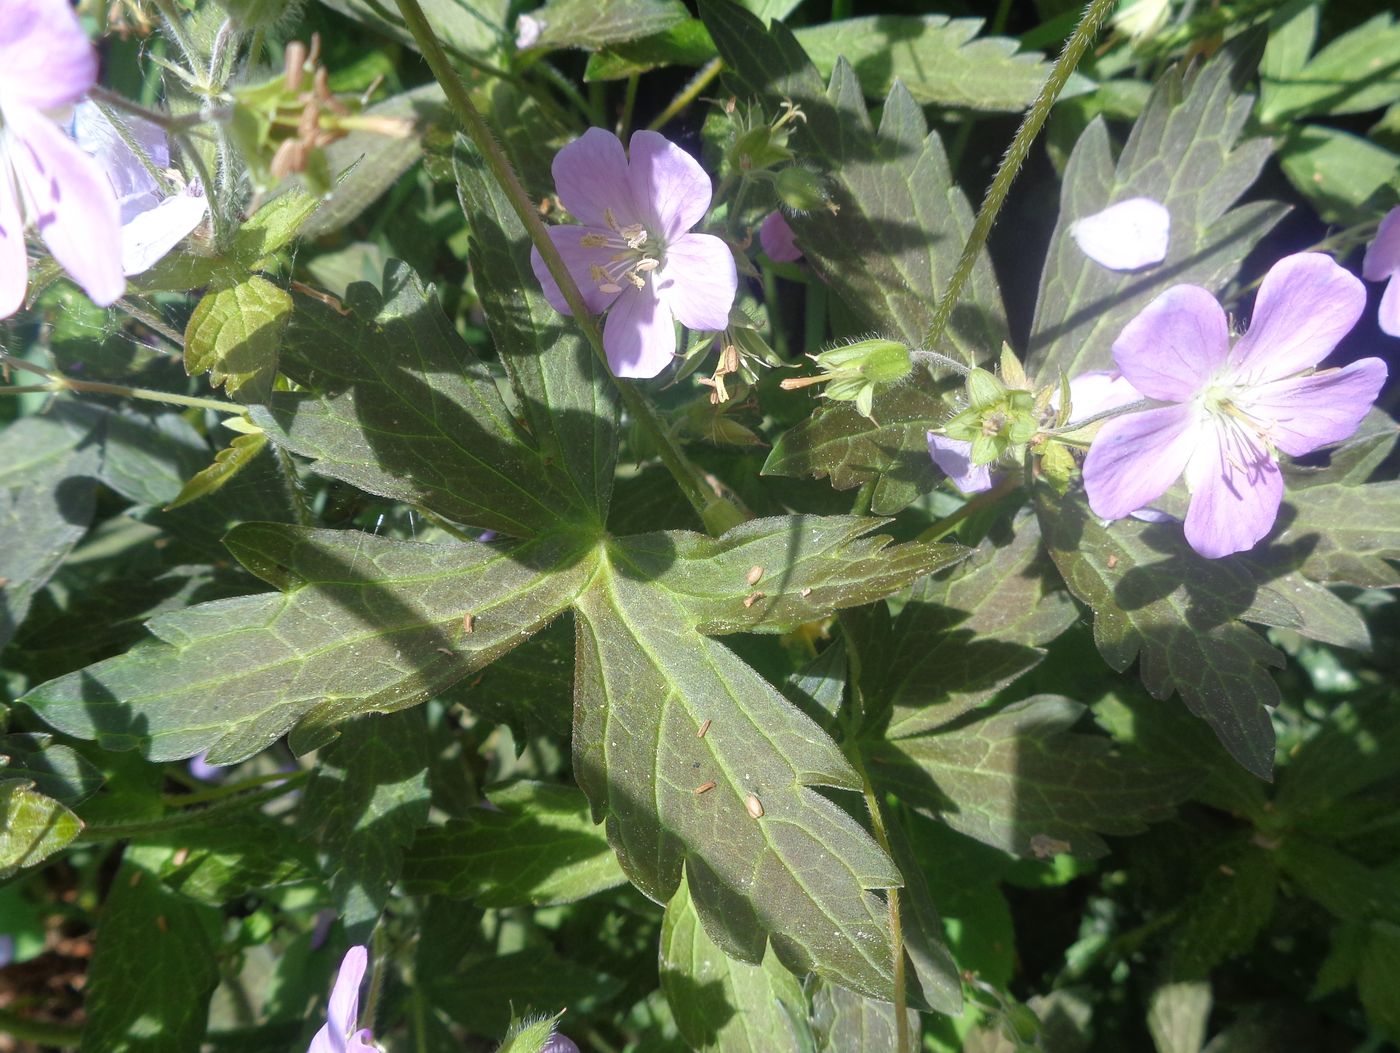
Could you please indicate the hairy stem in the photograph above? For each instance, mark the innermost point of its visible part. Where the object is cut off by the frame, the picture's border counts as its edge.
(1010, 166)
(58, 382)
(698, 83)
(692, 484)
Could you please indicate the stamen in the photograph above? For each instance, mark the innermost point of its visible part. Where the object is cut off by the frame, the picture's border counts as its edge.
(594, 241)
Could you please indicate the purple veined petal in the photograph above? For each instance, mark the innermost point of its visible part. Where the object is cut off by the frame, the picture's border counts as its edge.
(135, 187)
(1304, 413)
(954, 459)
(590, 177)
(1097, 392)
(778, 240)
(639, 334)
(1236, 489)
(1174, 345)
(14, 260)
(149, 236)
(72, 204)
(670, 188)
(1388, 315)
(343, 1010)
(580, 260)
(1306, 304)
(1383, 254)
(698, 281)
(1135, 458)
(46, 60)
(1127, 236)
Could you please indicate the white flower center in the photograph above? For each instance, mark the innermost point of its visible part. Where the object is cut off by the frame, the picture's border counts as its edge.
(636, 254)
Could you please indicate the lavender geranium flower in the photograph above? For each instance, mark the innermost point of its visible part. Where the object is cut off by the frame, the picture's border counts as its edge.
(339, 1034)
(47, 65)
(1382, 264)
(1127, 236)
(1232, 409)
(778, 240)
(632, 254)
(153, 221)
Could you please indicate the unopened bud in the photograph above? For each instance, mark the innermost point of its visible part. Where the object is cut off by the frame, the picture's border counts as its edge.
(801, 190)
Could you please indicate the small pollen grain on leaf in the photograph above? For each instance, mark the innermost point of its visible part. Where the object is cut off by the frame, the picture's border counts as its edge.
(753, 598)
(703, 728)
(705, 787)
(1112, 561)
(805, 593)
(755, 806)
(178, 859)
(755, 575)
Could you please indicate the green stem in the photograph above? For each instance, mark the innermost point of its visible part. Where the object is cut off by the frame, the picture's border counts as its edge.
(154, 322)
(1083, 35)
(692, 484)
(40, 1032)
(947, 524)
(58, 382)
(629, 103)
(175, 26)
(190, 816)
(221, 793)
(698, 83)
(108, 99)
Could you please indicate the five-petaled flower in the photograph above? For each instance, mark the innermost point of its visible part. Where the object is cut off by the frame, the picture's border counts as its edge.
(47, 65)
(632, 253)
(1382, 263)
(339, 1034)
(1232, 408)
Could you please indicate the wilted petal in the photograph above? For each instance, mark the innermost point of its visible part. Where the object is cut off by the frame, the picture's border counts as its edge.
(699, 281)
(1388, 317)
(639, 335)
(580, 259)
(671, 190)
(778, 240)
(1303, 413)
(1383, 254)
(1306, 304)
(1125, 236)
(148, 236)
(1173, 345)
(1136, 457)
(1235, 492)
(46, 60)
(954, 459)
(590, 176)
(73, 206)
(14, 261)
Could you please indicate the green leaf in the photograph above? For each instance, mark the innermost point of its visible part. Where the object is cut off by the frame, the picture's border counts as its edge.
(147, 458)
(367, 801)
(530, 689)
(217, 862)
(934, 979)
(234, 335)
(939, 59)
(228, 462)
(1339, 882)
(47, 485)
(890, 450)
(366, 625)
(483, 996)
(529, 1036)
(32, 826)
(536, 846)
(1184, 151)
(1225, 916)
(54, 770)
(1339, 173)
(722, 1005)
(1156, 600)
(1017, 779)
(475, 28)
(1378, 982)
(902, 221)
(403, 410)
(962, 638)
(595, 24)
(1355, 73)
(155, 966)
(845, 1020)
(561, 387)
(1357, 746)
(1345, 533)
(1292, 34)
(686, 43)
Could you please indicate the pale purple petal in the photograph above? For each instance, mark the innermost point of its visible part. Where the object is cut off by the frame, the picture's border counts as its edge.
(1136, 457)
(46, 60)
(698, 281)
(954, 459)
(1383, 254)
(580, 260)
(343, 1011)
(1125, 236)
(1303, 413)
(1235, 488)
(639, 335)
(1172, 346)
(73, 206)
(590, 176)
(1306, 304)
(1097, 392)
(149, 236)
(778, 240)
(1388, 316)
(14, 261)
(670, 188)
(559, 1044)
(136, 189)
(362, 1041)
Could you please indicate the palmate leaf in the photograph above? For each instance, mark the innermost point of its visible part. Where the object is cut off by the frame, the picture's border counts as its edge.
(1348, 534)
(398, 406)
(365, 625)
(902, 222)
(1184, 151)
(1156, 600)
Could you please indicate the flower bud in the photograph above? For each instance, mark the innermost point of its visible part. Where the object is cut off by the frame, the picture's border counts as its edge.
(258, 14)
(758, 149)
(853, 372)
(801, 190)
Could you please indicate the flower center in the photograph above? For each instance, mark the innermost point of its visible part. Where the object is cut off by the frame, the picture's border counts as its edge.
(1250, 441)
(636, 253)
